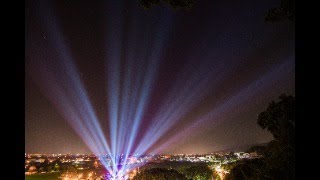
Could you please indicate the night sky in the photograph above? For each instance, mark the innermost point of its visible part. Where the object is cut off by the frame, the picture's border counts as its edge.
(217, 67)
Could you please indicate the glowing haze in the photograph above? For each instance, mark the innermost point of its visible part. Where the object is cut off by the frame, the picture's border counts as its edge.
(112, 78)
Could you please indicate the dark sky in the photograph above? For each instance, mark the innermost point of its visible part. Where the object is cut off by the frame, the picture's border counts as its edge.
(218, 65)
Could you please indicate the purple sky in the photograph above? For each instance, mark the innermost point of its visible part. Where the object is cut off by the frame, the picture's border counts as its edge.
(218, 66)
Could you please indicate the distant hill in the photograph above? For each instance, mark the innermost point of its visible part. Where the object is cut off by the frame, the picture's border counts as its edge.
(242, 148)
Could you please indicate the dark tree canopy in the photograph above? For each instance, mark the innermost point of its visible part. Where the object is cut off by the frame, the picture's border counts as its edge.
(279, 119)
(198, 172)
(159, 174)
(286, 11)
(175, 4)
(246, 169)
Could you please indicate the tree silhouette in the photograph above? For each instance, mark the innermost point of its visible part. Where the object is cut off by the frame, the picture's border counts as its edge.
(247, 169)
(286, 11)
(200, 172)
(279, 119)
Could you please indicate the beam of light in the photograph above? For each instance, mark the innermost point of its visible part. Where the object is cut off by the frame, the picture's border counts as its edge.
(51, 86)
(127, 83)
(155, 56)
(113, 47)
(179, 102)
(136, 89)
(232, 103)
(131, 85)
(64, 88)
(76, 90)
(188, 92)
(131, 107)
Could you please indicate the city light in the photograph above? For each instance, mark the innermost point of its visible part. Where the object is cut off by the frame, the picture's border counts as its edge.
(85, 170)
